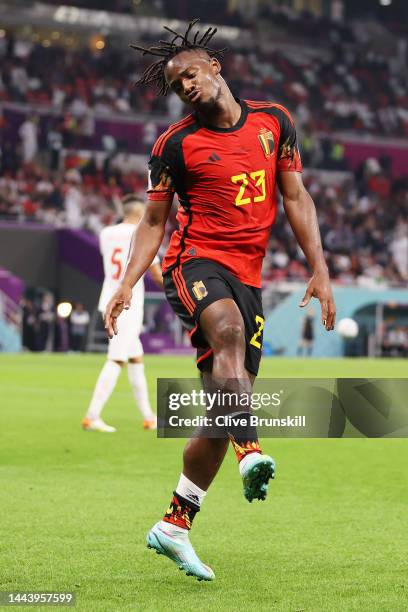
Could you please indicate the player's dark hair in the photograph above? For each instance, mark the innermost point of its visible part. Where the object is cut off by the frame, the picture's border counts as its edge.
(168, 49)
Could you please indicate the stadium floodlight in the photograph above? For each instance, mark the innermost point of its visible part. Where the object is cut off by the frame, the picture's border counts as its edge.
(64, 309)
(348, 328)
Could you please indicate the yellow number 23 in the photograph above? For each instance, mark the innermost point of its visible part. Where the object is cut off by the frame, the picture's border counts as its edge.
(257, 180)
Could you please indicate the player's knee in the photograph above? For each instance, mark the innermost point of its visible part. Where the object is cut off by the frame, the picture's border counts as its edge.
(136, 360)
(120, 363)
(228, 335)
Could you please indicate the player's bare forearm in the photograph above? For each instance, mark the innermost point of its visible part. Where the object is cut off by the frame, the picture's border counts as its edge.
(146, 241)
(301, 213)
(145, 244)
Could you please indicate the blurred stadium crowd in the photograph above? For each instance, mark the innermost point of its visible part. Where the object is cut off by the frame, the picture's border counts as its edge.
(347, 84)
(363, 219)
(344, 82)
(44, 329)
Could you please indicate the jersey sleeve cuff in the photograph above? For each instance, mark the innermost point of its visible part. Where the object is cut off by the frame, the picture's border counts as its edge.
(159, 196)
(288, 164)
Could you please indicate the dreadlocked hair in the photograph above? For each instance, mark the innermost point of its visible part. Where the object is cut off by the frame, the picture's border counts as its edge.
(168, 49)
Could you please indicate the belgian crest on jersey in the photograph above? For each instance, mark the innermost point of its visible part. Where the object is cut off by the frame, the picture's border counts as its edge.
(267, 143)
(199, 290)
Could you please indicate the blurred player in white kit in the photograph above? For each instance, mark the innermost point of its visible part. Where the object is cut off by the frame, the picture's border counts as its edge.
(125, 347)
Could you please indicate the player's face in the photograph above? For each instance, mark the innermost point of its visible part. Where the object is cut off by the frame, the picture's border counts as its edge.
(193, 76)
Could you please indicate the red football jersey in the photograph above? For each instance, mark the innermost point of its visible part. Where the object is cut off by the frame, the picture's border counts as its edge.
(225, 179)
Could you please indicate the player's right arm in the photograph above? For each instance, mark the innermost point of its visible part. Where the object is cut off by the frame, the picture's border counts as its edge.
(146, 241)
(164, 166)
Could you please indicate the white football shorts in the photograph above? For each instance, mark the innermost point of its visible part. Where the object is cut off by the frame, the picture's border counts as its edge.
(126, 344)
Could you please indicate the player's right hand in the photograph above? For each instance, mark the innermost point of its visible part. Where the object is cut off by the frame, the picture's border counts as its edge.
(120, 300)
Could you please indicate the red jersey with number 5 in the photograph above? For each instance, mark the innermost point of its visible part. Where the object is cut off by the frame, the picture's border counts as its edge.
(225, 179)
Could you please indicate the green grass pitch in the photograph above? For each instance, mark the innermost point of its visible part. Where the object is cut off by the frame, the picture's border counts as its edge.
(76, 506)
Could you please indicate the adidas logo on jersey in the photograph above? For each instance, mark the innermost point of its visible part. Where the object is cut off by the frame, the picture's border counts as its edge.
(214, 157)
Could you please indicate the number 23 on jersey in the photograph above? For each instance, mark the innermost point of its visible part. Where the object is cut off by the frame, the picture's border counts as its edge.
(252, 182)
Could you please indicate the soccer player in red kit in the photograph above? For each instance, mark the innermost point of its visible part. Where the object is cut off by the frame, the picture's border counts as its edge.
(224, 161)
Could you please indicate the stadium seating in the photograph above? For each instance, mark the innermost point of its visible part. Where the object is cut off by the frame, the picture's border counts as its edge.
(58, 167)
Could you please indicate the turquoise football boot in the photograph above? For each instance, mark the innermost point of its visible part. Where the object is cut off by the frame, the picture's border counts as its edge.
(256, 474)
(179, 550)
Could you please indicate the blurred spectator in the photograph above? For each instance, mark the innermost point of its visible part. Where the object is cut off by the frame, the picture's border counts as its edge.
(54, 145)
(29, 139)
(305, 346)
(395, 342)
(30, 326)
(399, 247)
(73, 202)
(61, 340)
(46, 318)
(79, 321)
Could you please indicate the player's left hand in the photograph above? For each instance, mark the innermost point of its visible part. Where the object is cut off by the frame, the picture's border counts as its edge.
(320, 288)
(120, 300)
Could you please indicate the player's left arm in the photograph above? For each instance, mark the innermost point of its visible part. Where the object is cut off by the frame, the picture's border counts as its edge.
(301, 213)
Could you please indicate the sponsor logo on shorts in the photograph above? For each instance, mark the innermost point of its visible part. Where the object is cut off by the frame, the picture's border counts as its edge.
(199, 290)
